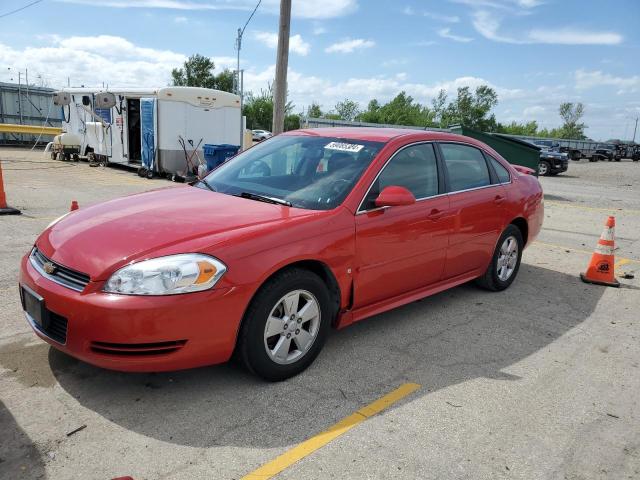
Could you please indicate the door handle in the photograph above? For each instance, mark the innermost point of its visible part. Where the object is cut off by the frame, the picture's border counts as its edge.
(499, 199)
(435, 214)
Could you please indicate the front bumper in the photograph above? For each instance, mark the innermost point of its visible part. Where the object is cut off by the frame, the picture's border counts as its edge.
(557, 165)
(140, 333)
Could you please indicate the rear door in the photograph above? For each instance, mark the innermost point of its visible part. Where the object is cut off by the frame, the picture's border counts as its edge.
(400, 249)
(476, 203)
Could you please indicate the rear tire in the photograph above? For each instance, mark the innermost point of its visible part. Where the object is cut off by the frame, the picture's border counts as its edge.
(286, 325)
(505, 262)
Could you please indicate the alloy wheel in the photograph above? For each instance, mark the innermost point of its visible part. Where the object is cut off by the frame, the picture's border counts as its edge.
(292, 327)
(507, 258)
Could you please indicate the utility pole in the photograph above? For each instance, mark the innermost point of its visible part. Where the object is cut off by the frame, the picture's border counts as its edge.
(634, 130)
(238, 83)
(282, 62)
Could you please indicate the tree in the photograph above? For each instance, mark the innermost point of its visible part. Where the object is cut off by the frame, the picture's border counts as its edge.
(571, 115)
(438, 106)
(314, 111)
(259, 110)
(291, 122)
(347, 109)
(472, 109)
(372, 113)
(401, 110)
(197, 71)
(529, 129)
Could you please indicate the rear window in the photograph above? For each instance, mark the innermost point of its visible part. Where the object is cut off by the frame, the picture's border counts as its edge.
(501, 172)
(466, 167)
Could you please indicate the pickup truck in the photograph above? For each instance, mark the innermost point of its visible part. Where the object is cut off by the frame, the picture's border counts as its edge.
(552, 161)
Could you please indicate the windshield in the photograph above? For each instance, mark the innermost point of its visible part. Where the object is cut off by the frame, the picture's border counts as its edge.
(309, 172)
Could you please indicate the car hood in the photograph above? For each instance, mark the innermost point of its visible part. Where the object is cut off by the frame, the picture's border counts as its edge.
(98, 239)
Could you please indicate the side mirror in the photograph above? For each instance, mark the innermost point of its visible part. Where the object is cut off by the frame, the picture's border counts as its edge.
(394, 196)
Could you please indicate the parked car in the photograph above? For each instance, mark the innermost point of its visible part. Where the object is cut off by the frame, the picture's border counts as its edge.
(552, 162)
(606, 152)
(313, 229)
(259, 135)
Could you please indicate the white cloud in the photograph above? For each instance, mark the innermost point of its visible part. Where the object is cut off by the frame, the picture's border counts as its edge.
(319, 30)
(349, 45)
(446, 33)
(296, 43)
(303, 89)
(488, 22)
(432, 15)
(92, 60)
(181, 19)
(301, 9)
(586, 80)
(568, 36)
(442, 18)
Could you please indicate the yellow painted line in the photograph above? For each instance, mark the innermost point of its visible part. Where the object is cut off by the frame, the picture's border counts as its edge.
(596, 209)
(621, 261)
(307, 447)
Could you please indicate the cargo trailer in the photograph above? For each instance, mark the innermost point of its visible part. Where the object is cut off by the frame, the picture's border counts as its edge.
(154, 128)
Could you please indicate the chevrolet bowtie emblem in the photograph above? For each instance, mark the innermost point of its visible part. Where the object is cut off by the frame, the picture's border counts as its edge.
(49, 267)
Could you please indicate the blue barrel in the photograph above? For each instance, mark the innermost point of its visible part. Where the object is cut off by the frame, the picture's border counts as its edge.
(216, 155)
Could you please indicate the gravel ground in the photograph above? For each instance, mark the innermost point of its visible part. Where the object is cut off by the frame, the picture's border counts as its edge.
(540, 381)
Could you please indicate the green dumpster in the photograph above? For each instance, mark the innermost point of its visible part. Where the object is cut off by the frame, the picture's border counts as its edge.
(516, 152)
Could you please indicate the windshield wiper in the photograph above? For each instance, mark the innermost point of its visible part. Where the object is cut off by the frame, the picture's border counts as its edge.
(207, 185)
(264, 198)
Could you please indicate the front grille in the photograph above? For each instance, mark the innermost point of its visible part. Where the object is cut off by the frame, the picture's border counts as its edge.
(124, 349)
(60, 274)
(56, 328)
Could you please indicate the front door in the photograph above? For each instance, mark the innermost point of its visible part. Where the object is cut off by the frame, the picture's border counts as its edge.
(400, 249)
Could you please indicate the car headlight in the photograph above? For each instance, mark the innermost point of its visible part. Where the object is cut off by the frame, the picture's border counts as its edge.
(184, 273)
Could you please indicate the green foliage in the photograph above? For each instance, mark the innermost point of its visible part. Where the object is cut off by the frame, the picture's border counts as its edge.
(401, 110)
(332, 116)
(291, 122)
(347, 109)
(314, 111)
(197, 71)
(515, 128)
(259, 110)
(470, 109)
(571, 115)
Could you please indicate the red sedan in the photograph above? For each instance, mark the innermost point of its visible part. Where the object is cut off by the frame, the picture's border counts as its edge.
(305, 231)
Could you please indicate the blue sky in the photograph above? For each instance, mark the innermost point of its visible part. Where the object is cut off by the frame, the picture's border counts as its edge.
(535, 53)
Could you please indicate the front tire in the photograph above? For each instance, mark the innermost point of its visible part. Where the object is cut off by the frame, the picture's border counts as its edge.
(505, 262)
(286, 325)
(543, 168)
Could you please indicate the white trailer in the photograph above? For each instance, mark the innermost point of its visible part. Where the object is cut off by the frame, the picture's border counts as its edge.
(147, 127)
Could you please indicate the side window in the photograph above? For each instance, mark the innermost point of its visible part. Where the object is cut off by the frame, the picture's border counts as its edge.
(466, 166)
(503, 173)
(414, 168)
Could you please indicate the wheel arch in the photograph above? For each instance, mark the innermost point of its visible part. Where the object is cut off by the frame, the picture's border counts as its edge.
(312, 265)
(523, 226)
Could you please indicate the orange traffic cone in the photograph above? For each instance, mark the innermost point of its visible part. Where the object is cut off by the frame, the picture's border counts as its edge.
(4, 208)
(74, 205)
(600, 270)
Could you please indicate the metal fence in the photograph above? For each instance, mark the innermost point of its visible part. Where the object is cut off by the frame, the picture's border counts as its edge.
(324, 122)
(27, 105)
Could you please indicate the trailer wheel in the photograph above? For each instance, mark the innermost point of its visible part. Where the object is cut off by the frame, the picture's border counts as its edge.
(150, 174)
(142, 171)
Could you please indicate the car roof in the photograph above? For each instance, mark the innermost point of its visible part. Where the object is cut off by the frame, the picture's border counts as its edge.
(373, 134)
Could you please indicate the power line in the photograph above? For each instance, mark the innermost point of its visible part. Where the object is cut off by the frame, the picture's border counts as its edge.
(19, 9)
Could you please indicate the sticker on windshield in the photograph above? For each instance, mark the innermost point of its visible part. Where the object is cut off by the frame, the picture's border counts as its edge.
(344, 147)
